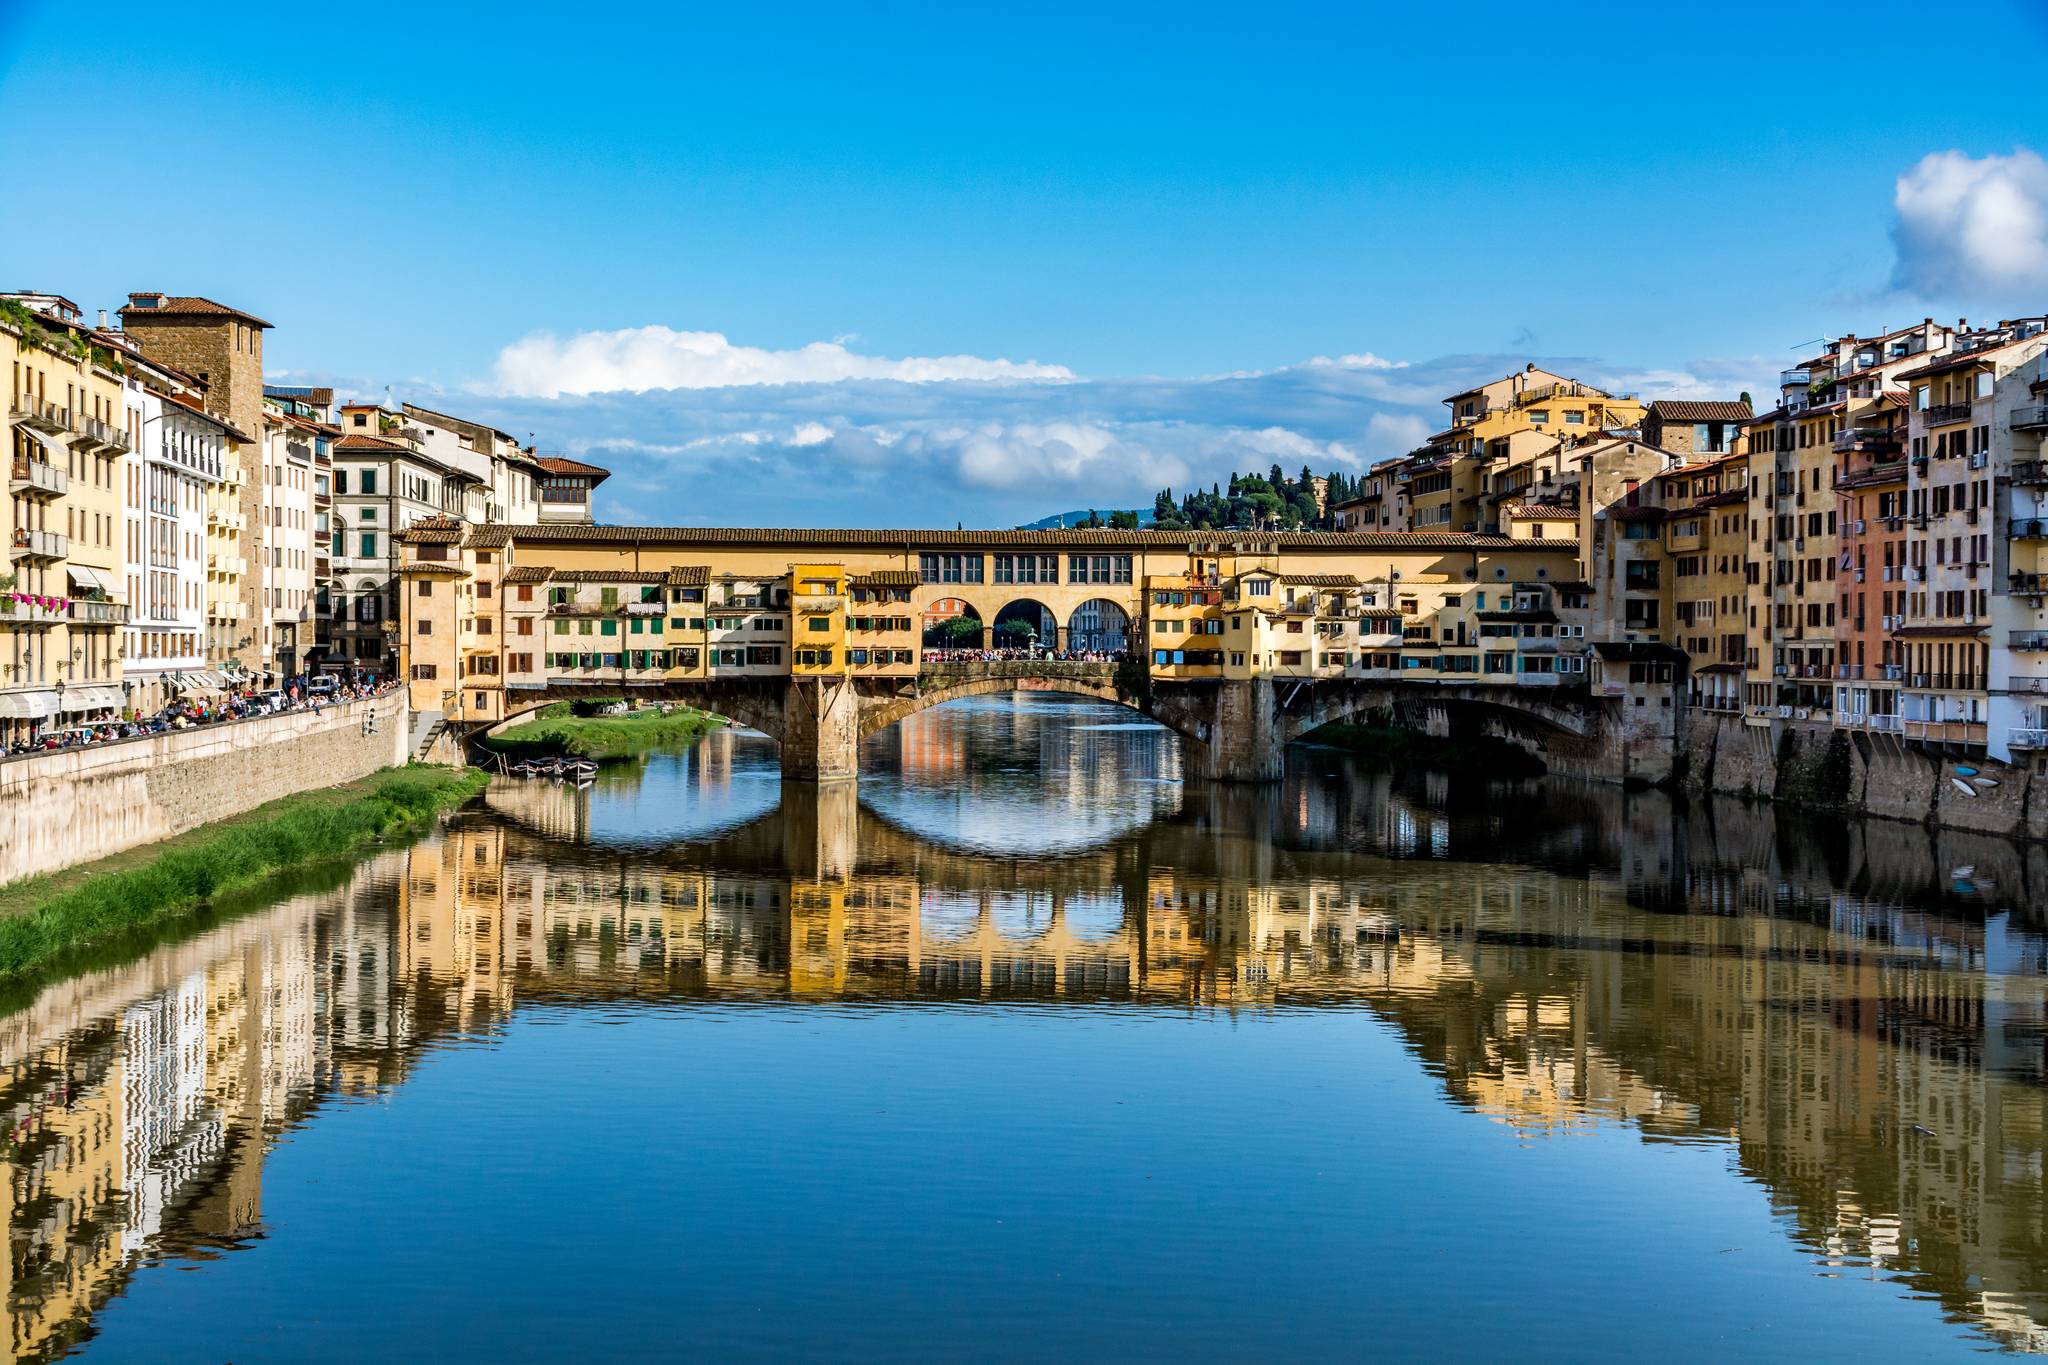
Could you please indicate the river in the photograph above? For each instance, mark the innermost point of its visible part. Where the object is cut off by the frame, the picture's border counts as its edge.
(1026, 1049)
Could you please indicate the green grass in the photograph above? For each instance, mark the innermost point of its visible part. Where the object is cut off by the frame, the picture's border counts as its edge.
(601, 739)
(43, 919)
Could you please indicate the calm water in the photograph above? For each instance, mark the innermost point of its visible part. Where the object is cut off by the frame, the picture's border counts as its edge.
(1026, 1049)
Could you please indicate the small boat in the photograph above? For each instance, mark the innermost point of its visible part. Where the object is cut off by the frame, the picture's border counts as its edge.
(1961, 771)
(1963, 787)
(579, 767)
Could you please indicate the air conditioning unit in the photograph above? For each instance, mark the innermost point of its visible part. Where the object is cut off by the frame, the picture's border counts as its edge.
(1977, 460)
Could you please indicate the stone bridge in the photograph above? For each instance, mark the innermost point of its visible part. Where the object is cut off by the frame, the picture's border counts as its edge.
(1231, 730)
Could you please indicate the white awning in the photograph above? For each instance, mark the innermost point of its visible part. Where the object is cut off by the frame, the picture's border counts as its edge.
(89, 579)
(27, 705)
(78, 699)
(49, 443)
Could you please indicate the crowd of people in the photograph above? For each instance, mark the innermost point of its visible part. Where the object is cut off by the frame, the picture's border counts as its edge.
(1025, 655)
(301, 693)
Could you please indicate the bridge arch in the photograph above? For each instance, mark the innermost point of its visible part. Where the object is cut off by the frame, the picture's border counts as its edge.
(1099, 623)
(1096, 682)
(1033, 616)
(1525, 715)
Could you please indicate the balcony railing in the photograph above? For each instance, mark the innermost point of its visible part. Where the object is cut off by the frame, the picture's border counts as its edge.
(2030, 418)
(1946, 731)
(40, 545)
(84, 612)
(1867, 438)
(38, 476)
(1946, 414)
(2030, 641)
(2030, 472)
(2030, 528)
(40, 416)
(2027, 739)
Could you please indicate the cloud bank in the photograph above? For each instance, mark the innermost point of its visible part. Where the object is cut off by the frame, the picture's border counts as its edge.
(644, 359)
(1973, 227)
(700, 431)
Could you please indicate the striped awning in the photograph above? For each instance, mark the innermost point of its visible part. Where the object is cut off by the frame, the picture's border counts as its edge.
(27, 705)
(77, 699)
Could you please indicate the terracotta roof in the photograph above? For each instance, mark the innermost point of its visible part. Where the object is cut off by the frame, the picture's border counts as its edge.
(528, 573)
(904, 540)
(888, 578)
(184, 306)
(1681, 411)
(430, 569)
(610, 575)
(1537, 512)
(1319, 580)
(357, 440)
(555, 464)
(433, 531)
(689, 575)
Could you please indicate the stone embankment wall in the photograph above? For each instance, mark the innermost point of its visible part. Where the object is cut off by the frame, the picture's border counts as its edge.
(70, 807)
(1818, 767)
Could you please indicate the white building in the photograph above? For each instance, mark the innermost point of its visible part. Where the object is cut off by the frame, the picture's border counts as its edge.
(284, 542)
(2017, 730)
(166, 479)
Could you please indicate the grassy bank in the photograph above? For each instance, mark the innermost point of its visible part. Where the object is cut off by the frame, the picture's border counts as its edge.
(43, 918)
(557, 730)
(1413, 748)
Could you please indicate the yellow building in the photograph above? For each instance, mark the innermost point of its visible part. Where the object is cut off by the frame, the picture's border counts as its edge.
(817, 602)
(63, 591)
(881, 624)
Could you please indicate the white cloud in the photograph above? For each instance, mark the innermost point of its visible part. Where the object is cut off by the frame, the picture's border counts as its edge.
(1974, 227)
(641, 359)
(866, 451)
(1391, 433)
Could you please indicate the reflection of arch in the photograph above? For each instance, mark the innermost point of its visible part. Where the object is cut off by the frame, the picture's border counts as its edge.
(1095, 918)
(1100, 624)
(944, 611)
(1034, 614)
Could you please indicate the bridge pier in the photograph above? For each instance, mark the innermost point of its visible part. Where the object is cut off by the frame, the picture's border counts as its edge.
(1238, 739)
(820, 736)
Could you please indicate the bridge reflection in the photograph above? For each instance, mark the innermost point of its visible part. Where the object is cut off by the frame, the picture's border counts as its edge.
(1873, 1060)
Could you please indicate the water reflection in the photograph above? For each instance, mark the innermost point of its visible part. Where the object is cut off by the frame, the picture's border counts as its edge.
(1818, 1003)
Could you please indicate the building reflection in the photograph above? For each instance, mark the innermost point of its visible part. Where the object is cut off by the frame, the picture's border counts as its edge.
(1873, 1060)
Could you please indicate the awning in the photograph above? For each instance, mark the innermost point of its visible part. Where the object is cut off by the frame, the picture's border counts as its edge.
(78, 699)
(49, 443)
(27, 705)
(89, 579)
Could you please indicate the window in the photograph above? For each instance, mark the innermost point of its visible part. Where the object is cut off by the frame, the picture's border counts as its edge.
(369, 481)
(949, 568)
(424, 627)
(369, 545)
(424, 672)
(426, 588)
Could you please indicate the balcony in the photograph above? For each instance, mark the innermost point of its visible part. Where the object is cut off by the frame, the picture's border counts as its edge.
(2030, 528)
(1945, 731)
(2029, 641)
(39, 416)
(40, 545)
(92, 435)
(2030, 473)
(1876, 439)
(1947, 414)
(1789, 378)
(26, 610)
(37, 478)
(2027, 739)
(2031, 418)
(2030, 585)
(88, 613)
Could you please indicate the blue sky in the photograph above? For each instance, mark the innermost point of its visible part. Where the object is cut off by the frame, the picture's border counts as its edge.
(1123, 203)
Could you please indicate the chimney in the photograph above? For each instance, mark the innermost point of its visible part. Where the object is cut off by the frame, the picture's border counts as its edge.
(103, 319)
